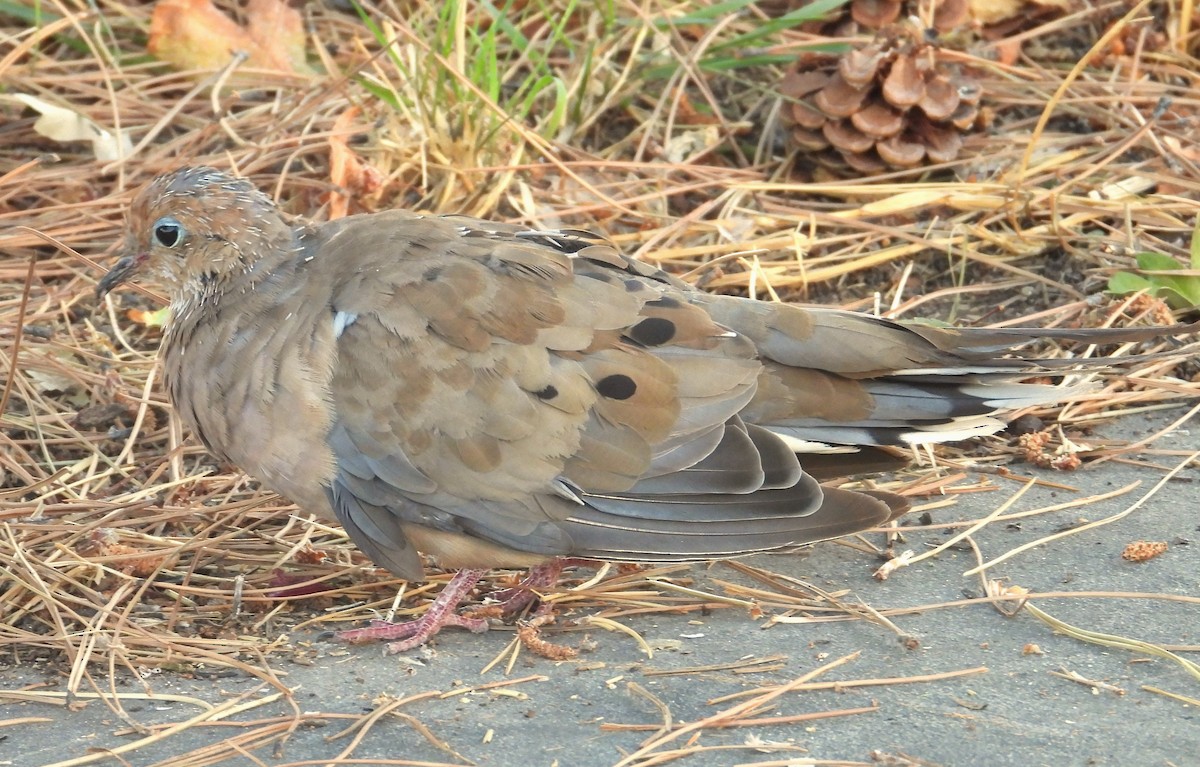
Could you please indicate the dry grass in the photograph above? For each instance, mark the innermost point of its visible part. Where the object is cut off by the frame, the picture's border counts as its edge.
(123, 547)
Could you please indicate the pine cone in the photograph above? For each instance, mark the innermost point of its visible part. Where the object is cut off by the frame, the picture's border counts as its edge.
(889, 104)
(874, 15)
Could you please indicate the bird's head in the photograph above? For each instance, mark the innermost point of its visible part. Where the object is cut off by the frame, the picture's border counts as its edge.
(195, 229)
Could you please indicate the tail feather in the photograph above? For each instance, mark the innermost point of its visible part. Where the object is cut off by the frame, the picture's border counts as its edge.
(680, 528)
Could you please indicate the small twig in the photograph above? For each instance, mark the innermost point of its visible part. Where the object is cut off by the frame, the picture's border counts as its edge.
(1096, 685)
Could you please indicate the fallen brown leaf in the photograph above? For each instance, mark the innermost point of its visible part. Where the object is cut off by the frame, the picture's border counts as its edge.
(194, 34)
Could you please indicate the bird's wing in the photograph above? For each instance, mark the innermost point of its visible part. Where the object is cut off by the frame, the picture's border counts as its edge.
(539, 391)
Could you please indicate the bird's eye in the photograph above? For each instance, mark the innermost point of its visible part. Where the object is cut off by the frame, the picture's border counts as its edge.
(168, 232)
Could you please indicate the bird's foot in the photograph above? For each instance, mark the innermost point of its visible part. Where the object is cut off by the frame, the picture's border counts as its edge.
(440, 614)
(511, 602)
(412, 634)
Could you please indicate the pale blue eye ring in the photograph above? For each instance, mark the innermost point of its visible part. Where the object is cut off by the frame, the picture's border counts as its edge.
(168, 232)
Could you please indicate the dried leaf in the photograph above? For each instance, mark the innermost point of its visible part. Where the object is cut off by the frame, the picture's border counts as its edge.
(874, 14)
(951, 14)
(688, 144)
(346, 170)
(103, 416)
(1143, 551)
(154, 319)
(686, 112)
(49, 381)
(996, 11)
(194, 34)
(66, 125)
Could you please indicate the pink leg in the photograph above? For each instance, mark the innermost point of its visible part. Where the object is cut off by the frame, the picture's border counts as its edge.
(416, 633)
(514, 600)
(442, 612)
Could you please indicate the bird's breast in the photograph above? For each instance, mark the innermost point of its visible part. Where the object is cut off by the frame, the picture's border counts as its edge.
(254, 388)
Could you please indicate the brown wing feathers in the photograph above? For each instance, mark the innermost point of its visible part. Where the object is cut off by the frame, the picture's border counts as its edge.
(646, 388)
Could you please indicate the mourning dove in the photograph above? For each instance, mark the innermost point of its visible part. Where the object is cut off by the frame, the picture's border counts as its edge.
(496, 396)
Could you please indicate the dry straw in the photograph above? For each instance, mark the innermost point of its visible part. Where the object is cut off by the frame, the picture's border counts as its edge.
(124, 547)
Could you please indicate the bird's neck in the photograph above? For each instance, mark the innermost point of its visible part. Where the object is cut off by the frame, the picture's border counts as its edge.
(241, 273)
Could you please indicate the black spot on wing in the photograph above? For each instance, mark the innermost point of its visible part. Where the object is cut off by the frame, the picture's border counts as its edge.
(652, 331)
(616, 386)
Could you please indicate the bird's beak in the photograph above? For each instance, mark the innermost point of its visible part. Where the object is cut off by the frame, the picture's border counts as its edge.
(120, 272)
